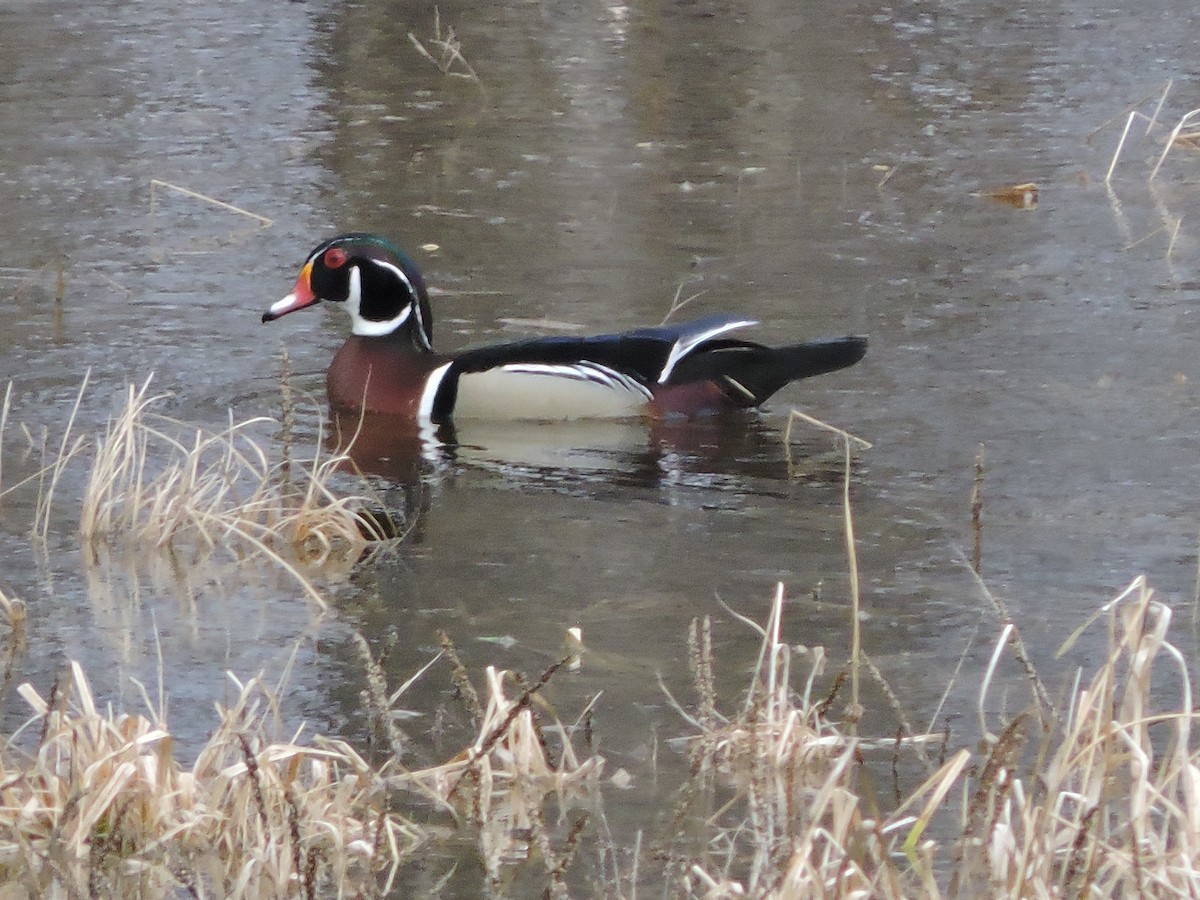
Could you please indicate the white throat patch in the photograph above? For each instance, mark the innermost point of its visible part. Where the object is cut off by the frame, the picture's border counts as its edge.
(367, 327)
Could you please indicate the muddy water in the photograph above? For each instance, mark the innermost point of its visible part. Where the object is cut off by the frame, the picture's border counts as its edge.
(820, 168)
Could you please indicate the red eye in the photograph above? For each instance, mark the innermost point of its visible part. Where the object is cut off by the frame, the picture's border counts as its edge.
(335, 258)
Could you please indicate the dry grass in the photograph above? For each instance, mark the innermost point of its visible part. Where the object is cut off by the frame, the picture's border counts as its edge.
(447, 51)
(162, 192)
(1183, 138)
(1114, 810)
(148, 484)
(1108, 805)
(155, 486)
(157, 483)
(52, 471)
(795, 821)
(1183, 134)
(499, 784)
(100, 806)
(16, 616)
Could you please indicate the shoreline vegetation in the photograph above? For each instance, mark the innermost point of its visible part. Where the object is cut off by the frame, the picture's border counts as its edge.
(1095, 794)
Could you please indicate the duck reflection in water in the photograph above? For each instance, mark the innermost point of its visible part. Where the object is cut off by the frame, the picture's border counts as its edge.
(727, 455)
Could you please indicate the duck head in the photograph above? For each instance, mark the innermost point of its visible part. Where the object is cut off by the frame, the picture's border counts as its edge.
(378, 285)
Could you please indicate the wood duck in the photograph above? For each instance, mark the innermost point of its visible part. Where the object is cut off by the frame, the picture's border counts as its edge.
(388, 364)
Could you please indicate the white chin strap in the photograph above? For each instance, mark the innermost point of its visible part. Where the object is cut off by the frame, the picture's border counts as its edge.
(366, 327)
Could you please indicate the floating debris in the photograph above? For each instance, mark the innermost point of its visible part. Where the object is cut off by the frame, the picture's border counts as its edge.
(1021, 196)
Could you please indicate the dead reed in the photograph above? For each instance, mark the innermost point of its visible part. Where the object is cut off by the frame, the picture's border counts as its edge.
(17, 618)
(1103, 800)
(977, 515)
(155, 482)
(101, 806)
(1107, 804)
(154, 486)
(448, 56)
(794, 823)
(499, 784)
(1184, 135)
(97, 804)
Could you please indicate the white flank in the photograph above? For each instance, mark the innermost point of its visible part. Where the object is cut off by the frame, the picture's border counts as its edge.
(429, 394)
(684, 346)
(544, 391)
(366, 327)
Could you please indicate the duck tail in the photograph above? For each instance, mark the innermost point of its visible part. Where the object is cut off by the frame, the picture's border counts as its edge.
(751, 373)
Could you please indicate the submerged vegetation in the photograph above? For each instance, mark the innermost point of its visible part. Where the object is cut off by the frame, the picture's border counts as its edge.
(1095, 795)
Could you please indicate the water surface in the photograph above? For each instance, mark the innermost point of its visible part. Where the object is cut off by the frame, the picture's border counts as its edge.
(821, 169)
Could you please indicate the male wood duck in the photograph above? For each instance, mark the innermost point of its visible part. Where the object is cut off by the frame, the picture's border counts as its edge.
(388, 364)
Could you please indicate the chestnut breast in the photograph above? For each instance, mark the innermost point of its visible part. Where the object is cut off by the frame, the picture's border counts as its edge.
(379, 374)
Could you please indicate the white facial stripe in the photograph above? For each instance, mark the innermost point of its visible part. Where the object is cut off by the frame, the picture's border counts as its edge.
(412, 292)
(395, 270)
(354, 296)
(429, 394)
(366, 327)
(369, 328)
(378, 329)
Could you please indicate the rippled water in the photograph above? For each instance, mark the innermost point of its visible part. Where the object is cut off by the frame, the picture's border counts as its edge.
(822, 169)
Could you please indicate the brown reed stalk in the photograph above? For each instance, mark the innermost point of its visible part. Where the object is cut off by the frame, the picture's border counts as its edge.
(376, 699)
(462, 680)
(287, 422)
(977, 515)
(519, 706)
(700, 664)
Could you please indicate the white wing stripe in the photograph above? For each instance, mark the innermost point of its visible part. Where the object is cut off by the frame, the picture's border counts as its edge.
(583, 371)
(684, 346)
